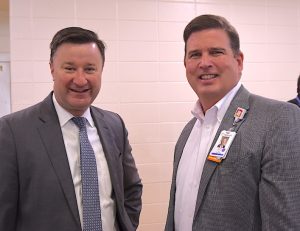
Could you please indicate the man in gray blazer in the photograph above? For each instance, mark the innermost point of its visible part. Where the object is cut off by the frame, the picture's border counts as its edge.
(41, 184)
(253, 183)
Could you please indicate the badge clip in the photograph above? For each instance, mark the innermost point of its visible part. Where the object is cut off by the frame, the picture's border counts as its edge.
(239, 114)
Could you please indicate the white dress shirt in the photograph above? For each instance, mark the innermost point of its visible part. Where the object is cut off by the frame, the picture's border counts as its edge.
(193, 158)
(70, 134)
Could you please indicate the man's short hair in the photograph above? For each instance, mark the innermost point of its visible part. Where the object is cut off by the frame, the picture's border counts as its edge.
(76, 35)
(209, 21)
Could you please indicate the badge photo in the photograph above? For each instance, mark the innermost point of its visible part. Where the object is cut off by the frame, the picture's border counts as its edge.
(221, 147)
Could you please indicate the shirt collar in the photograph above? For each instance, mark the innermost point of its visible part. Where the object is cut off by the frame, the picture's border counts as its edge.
(221, 106)
(64, 116)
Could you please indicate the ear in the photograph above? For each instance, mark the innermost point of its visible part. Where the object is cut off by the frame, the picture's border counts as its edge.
(51, 69)
(240, 60)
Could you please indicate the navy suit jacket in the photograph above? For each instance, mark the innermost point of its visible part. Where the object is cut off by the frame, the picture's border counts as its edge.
(294, 101)
(37, 191)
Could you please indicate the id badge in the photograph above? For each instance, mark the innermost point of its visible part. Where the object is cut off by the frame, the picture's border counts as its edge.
(221, 147)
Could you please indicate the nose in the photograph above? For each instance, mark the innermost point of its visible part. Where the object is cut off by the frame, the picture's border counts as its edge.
(205, 61)
(79, 78)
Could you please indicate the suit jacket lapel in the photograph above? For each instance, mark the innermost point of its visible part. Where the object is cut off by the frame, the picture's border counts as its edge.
(51, 135)
(241, 99)
(177, 156)
(182, 141)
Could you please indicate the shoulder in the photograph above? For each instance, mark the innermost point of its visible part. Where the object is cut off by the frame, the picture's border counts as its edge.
(43, 108)
(106, 115)
(22, 115)
(263, 103)
(107, 118)
(272, 111)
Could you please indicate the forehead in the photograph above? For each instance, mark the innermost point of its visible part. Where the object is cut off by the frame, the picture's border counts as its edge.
(208, 38)
(79, 51)
(77, 46)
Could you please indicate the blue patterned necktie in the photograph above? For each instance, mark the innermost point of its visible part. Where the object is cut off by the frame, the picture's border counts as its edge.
(91, 211)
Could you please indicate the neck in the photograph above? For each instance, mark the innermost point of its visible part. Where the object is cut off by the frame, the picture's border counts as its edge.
(207, 104)
(206, 107)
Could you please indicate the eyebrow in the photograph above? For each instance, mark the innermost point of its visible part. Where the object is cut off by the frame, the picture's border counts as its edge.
(217, 48)
(68, 63)
(209, 49)
(71, 63)
(194, 51)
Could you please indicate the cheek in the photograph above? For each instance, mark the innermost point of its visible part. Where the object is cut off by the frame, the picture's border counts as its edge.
(60, 84)
(53, 73)
(56, 76)
(56, 87)
(96, 81)
(190, 69)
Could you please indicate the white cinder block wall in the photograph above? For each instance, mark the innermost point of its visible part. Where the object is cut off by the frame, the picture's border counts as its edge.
(144, 77)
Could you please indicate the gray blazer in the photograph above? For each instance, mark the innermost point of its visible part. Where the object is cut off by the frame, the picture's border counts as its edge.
(257, 186)
(37, 191)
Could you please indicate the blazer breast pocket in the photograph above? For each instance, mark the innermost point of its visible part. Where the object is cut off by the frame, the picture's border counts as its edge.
(233, 159)
(243, 155)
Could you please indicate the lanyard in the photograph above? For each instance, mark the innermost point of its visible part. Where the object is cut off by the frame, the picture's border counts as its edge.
(223, 143)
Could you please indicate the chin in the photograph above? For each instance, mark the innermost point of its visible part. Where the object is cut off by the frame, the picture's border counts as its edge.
(80, 107)
(80, 101)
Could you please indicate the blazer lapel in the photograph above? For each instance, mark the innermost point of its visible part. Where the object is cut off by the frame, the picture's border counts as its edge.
(51, 135)
(241, 99)
(182, 142)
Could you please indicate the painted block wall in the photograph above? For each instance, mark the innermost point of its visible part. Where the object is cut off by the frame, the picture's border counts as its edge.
(144, 77)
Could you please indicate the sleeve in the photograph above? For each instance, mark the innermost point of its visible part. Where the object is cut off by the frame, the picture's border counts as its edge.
(279, 187)
(132, 183)
(8, 178)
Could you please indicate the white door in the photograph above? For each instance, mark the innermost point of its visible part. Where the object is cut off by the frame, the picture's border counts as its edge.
(5, 107)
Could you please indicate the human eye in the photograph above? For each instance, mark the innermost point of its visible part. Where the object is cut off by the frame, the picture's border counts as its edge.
(90, 69)
(69, 69)
(194, 55)
(217, 52)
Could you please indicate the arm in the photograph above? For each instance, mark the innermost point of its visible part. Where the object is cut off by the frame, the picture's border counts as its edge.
(8, 178)
(279, 188)
(124, 175)
(132, 184)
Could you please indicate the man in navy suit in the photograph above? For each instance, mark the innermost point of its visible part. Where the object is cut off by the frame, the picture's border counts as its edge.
(41, 186)
(297, 99)
(254, 183)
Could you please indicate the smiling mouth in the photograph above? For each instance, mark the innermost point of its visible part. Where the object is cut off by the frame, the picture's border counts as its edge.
(207, 76)
(80, 90)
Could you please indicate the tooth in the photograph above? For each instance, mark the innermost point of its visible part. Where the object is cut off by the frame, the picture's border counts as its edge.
(207, 76)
